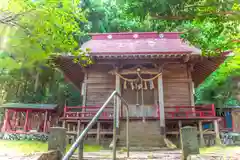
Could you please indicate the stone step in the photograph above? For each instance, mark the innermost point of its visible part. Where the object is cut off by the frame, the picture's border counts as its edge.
(134, 155)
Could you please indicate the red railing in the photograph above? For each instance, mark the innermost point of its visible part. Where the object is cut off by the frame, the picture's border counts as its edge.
(202, 111)
(171, 112)
(86, 112)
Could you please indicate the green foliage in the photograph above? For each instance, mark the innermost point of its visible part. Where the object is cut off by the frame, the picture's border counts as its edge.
(209, 24)
(21, 86)
(40, 29)
(24, 137)
(219, 88)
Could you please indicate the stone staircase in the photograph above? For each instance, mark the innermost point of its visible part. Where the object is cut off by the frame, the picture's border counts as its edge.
(141, 134)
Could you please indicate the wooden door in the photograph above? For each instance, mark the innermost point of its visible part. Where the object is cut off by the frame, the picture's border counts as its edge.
(149, 109)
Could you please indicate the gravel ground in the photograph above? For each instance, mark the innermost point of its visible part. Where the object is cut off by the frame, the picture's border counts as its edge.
(155, 155)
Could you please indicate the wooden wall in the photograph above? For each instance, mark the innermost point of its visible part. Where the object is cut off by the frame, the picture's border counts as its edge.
(176, 85)
(100, 84)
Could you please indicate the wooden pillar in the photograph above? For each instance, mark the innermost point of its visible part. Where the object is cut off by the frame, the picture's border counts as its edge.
(6, 119)
(118, 102)
(179, 125)
(178, 135)
(45, 121)
(26, 121)
(202, 143)
(29, 125)
(15, 120)
(80, 148)
(161, 105)
(216, 128)
(84, 90)
(191, 88)
(98, 132)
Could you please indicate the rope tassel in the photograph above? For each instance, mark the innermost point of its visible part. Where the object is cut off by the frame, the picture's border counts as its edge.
(132, 85)
(145, 85)
(151, 85)
(125, 85)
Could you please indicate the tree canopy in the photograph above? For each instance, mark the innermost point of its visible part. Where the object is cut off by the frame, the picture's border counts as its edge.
(39, 29)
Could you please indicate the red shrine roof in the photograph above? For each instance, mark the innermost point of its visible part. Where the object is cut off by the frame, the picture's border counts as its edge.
(132, 43)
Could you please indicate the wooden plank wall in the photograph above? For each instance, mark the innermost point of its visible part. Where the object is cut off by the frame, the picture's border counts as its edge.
(100, 85)
(176, 85)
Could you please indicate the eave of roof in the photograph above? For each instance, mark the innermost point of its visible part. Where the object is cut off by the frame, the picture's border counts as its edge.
(138, 43)
(29, 106)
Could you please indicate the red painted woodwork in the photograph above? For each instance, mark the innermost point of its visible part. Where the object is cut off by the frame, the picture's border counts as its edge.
(5, 123)
(26, 121)
(12, 123)
(176, 112)
(45, 121)
(84, 113)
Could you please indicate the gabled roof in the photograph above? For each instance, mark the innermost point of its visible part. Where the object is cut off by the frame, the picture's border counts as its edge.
(138, 43)
(29, 106)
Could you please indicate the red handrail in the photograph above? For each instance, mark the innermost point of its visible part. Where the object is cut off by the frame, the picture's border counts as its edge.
(175, 111)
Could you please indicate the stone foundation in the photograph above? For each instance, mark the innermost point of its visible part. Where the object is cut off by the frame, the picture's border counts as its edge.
(141, 134)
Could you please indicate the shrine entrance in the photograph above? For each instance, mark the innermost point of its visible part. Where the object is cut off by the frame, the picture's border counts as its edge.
(136, 108)
(139, 87)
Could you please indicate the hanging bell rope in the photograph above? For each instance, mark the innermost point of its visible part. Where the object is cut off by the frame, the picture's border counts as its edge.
(141, 86)
(132, 80)
(143, 116)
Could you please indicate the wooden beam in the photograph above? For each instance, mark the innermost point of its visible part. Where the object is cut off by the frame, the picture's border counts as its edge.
(168, 80)
(121, 63)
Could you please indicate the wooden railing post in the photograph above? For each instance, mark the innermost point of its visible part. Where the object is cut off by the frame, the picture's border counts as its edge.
(6, 119)
(213, 110)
